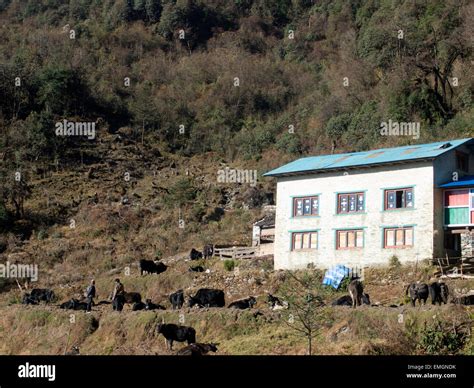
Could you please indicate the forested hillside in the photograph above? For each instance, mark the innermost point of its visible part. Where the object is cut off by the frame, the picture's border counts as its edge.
(250, 82)
(178, 90)
(291, 58)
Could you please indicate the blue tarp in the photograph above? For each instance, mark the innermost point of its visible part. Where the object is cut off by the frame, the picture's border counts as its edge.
(333, 276)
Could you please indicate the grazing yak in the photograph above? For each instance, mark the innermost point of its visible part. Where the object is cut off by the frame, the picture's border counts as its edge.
(356, 292)
(27, 299)
(195, 255)
(439, 293)
(174, 332)
(275, 303)
(132, 297)
(39, 295)
(417, 291)
(177, 299)
(208, 251)
(128, 297)
(206, 297)
(244, 303)
(466, 300)
(346, 300)
(150, 266)
(198, 268)
(148, 305)
(73, 304)
(197, 349)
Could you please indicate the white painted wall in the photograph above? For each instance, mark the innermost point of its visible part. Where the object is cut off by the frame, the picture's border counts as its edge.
(373, 180)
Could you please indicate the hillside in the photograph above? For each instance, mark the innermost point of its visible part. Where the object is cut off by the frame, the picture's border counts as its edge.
(178, 90)
(372, 330)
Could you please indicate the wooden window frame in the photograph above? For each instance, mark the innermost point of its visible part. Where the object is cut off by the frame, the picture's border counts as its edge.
(356, 194)
(404, 190)
(404, 228)
(311, 198)
(347, 231)
(293, 238)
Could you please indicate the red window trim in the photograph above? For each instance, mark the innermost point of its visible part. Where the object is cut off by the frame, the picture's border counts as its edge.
(405, 189)
(293, 235)
(339, 248)
(398, 246)
(311, 204)
(356, 193)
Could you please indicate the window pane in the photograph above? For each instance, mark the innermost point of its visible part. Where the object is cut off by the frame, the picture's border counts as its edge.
(343, 204)
(390, 200)
(297, 241)
(351, 239)
(342, 240)
(359, 238)
(315, 205)
(314, 240)
(307, 206)
(409, 198)
(299, 207)
(390, 238)
(360, 202)
(399, 199)
(409, 237)
(352, 203)
(399, 237)
(305, 240)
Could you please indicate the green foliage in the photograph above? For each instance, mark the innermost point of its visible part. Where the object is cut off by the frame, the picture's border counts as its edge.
(182, 192)
(289, 143)
(394, 262)
(61, 91)
(229, 265)
(252, 140)
(437, 338)
(40, 135)
(344, 284)
(190, 81)
(364, 129)
(4, 216)
(338, 125)
(304, 293)
(42, 234)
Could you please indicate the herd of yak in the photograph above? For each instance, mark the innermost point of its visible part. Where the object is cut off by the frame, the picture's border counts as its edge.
(209, 298)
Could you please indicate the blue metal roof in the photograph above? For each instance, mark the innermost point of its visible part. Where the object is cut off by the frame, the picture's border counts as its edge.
(366, 158)
(465, 181)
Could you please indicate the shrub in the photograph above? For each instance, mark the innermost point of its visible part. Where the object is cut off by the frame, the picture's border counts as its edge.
(229, 265)
(394, 262)
(344, 284)
(42, 234)
(438, 338)
(57, 235)
(182, 192)
(4, 217)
